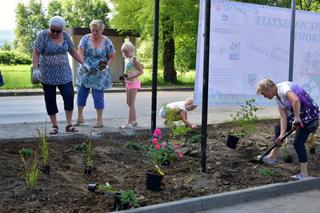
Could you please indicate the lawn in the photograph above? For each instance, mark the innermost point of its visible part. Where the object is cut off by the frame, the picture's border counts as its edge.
(19, 77)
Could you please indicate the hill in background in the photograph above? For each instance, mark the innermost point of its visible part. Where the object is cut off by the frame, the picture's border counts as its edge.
(6, 36)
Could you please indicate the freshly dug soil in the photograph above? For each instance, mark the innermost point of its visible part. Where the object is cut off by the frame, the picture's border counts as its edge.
(116, 161)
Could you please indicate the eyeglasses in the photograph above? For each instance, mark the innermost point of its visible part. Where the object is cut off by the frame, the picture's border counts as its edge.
(55, 31)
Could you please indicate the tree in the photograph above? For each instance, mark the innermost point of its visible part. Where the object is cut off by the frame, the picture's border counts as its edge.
(178, 19)
(30, 20)
(6, 46)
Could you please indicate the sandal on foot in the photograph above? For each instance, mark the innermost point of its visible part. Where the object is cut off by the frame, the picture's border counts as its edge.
(134, 124)
(71, 128)
(53, 130)
(98, 126)
(78, 123)
(125, 126)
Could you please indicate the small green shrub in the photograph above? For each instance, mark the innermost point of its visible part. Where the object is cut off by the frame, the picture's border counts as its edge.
(26, 152)
(11, 57)
(245, 119)
(81, 147)
(32, 172)
(267, 172)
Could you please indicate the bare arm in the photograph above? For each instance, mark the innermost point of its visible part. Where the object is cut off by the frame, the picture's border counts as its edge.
(184, 118)
(76, 55)
(35, 58)
(111, 59)
(283, 121)
(137, 64)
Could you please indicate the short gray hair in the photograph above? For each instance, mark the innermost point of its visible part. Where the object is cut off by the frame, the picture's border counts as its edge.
(57, 21)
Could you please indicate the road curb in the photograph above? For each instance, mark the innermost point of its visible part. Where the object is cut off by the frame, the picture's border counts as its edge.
(230, 198)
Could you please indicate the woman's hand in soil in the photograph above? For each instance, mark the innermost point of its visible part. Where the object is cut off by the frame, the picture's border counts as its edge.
(194, 126)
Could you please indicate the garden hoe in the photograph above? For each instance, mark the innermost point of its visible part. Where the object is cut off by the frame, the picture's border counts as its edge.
(260, 159)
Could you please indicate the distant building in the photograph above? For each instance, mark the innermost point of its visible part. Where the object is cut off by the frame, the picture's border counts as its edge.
(117, 39)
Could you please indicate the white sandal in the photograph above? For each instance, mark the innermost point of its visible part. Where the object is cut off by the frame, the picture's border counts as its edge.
(125, 126)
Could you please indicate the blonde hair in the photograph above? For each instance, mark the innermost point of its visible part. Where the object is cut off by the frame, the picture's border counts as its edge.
(189, 101)
(264, 85)
(128, 45)
(97, 23)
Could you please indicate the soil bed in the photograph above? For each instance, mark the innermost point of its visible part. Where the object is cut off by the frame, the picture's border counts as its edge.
(65, 188)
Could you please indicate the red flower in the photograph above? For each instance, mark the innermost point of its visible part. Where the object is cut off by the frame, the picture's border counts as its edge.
(154, 140)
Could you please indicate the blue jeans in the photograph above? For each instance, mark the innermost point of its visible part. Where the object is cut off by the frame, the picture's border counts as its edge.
(98, 97)
(300, 138)
(50, 97)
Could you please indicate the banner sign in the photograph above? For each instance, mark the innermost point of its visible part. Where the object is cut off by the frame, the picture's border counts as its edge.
(249, 42)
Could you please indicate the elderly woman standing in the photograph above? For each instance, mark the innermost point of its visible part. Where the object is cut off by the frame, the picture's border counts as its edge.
(297, 110)
(50, 59)
(98, 52)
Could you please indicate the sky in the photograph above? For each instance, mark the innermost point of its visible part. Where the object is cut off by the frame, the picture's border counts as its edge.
(7, 13)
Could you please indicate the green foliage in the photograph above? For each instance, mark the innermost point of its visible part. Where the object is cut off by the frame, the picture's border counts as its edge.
(81, 147)
(11, 57)
(106, 188)
(138, 15)
(30, 20)
(130, 197)
(195, 139)
(26, 152)
(6, 47)
(134, 145)
(31, 173)
(70, 10)
(245, 119)
(44, 147)
(267, 172)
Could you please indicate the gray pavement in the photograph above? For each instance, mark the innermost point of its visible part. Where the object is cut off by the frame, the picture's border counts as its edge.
(293, 197)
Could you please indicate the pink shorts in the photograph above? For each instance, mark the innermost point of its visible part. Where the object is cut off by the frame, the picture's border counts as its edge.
(134, 85)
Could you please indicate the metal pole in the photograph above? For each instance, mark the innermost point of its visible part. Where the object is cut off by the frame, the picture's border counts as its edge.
(155, 67)
(292, 30)
(204, 122)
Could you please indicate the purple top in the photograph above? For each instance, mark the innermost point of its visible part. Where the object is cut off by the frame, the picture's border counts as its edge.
(309, 110)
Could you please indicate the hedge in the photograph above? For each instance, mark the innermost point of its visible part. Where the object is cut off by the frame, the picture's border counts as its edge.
(11, 57)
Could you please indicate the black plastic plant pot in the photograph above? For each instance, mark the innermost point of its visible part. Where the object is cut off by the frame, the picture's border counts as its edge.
(92, 187)
(117, 205)
(287, 159)
(313, 149)
(46, 169)
(153, 181)
(232, 141)
(88, 170)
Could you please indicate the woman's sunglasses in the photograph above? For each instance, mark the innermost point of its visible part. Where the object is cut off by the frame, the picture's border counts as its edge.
(55, 31)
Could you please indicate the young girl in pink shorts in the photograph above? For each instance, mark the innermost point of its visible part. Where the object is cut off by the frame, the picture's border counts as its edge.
(132, 71)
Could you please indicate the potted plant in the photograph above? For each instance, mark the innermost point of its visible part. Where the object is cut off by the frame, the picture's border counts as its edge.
(44, 150)
(160, 152)
(244, 120)
(88, 163)
(123, 199)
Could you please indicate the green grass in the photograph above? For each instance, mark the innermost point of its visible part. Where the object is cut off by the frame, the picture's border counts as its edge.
(185, 79)
(19, 77)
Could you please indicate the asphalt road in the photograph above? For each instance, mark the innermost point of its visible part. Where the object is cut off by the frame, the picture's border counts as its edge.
(27, 109)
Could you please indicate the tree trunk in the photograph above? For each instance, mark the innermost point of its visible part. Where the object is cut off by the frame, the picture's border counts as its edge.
(169, 72)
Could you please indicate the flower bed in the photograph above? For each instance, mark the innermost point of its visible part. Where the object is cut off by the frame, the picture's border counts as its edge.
(119, 161)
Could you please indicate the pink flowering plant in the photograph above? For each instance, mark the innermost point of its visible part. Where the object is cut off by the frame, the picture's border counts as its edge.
(161, 151)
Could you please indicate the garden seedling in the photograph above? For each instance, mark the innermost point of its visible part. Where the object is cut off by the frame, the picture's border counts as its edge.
(267, 172)
(44, 149)
(26, 152)
(81, 147)
(31, 173)
(129, 197)
(88, 163)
